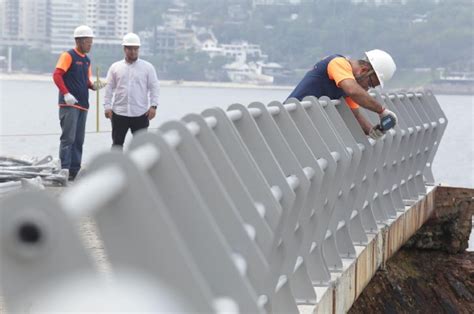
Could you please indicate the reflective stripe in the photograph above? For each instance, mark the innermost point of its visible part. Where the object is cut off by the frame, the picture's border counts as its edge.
(74, 106)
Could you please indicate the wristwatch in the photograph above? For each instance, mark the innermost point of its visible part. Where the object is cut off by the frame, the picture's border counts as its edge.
(154, 107)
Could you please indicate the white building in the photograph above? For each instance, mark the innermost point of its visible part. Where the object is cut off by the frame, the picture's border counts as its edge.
(110, 20)
(23, 22)
(64, 17)
(169, 40)
(50, 24)
(175, 18)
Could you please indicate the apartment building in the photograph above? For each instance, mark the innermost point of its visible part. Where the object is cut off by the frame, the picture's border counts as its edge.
(168, 40)
(49, 24)
(110, 20)
(64, 17)
(23, 22)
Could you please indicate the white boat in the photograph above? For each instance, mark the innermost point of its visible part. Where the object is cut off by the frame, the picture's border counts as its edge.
(248, 73)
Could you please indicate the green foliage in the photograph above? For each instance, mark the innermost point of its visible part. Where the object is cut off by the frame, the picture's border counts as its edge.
(186, 65)
(419, 34)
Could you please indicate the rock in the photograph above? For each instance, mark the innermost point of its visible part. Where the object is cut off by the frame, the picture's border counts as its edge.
(432, 273)
(421, 281)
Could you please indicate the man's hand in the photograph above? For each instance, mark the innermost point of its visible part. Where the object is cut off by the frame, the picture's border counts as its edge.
(108, 113)
(388, 120)
(70, 99)
(151, 113)
(98, 85)
(376, 132)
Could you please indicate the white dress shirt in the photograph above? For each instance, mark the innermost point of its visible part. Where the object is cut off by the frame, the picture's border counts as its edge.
(131, 88)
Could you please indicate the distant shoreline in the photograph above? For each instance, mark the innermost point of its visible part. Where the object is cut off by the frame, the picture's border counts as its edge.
(49, 78)
(445, 89)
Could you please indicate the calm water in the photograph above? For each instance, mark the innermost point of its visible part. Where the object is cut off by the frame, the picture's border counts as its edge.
(29, 122)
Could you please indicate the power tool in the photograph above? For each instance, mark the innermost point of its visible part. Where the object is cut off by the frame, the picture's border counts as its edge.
(386, 123)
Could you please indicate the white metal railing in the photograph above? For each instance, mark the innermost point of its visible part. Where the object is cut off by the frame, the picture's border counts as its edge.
(239, 210)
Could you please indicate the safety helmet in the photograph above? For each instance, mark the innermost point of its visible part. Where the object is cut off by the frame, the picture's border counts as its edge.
(131, 39)
(382, 63)
(83, 31)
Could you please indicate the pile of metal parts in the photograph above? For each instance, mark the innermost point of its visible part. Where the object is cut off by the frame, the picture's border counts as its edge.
(17, 173)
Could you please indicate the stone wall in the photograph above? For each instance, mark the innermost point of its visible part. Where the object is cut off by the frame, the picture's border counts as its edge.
(450, 225)
(433, 272)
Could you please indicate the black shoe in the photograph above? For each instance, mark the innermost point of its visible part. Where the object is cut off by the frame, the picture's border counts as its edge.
(72, 176)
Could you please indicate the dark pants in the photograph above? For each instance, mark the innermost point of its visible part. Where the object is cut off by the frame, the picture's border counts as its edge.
(121, 125)
(73, 125)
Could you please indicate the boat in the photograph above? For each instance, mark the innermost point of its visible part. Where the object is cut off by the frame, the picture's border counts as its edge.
(247, 73)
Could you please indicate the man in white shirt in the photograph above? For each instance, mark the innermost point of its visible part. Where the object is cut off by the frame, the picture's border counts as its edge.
(131, 96)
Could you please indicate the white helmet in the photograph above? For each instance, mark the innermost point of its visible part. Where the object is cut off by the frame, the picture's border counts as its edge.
(83, 31)
(131, 39)
(382, 63)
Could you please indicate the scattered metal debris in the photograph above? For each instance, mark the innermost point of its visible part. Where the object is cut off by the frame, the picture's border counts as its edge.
(30, 173)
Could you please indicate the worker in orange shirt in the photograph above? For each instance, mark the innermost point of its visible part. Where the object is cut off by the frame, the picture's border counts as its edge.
(72, 76)
(336, 76)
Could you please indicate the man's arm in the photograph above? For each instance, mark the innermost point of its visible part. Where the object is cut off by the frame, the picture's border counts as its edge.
(360, 96)
(59, 81)
(364, 123)
(62, 66)
(94, 85)
(109, 92)
(89, 76)
(153, 87)
(388, 119)
(154, 92)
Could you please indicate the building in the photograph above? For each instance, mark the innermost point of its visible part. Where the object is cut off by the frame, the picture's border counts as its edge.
(175, 34)
(169, 40)
(110, 20)
(23, 22)
(64, 17)
(175, 18)
(208, 43)
(50, 24)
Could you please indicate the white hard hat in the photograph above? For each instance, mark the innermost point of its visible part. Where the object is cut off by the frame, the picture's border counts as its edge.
(382, 63)
(131, 39)
(83, 31)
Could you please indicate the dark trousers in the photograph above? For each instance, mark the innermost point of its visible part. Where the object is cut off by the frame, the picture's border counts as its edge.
(121, 125)
(73, 125)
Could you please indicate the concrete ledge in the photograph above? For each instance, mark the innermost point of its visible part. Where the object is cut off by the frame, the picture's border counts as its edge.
(347, 285)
